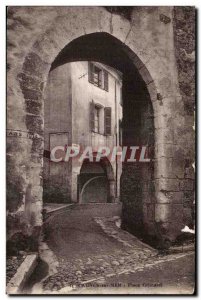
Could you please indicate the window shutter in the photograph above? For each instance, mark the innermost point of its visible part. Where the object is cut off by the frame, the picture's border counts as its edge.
(92, 117)
(121, 97)
(108, 120)
(90, 72)
(106, 86)
(120, 132)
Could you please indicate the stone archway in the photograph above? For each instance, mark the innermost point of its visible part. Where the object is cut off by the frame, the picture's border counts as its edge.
(39, 54)
(138, 212)
(138, 203)
(93, 177)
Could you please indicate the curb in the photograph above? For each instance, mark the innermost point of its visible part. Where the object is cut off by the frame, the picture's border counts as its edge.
(126, 233)
(59, 208)
(23, 273)
(179, 249)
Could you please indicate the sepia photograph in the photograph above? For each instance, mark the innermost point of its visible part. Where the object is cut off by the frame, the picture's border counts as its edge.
(100, 150)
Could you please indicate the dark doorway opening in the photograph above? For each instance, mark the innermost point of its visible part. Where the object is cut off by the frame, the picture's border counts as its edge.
(93, 178)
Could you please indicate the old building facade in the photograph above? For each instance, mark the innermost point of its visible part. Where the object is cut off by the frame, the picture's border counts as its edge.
(153, 47)
(82, 108)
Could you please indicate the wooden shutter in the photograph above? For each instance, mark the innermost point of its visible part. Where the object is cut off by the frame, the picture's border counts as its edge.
(108, 120)
(120, 132)
(106, 86)
(91, 72)
(121, 97)
(92, 116)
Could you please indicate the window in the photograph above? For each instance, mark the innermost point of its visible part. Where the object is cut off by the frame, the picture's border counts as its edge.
(98, 76)
(100, 119)
(96, 119)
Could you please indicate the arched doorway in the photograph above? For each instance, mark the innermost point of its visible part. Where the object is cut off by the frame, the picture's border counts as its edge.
(138, 212)
(96, 182)
(143, 55)
(136, 185)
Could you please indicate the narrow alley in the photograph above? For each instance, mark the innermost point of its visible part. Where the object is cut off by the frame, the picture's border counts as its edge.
(91, 251)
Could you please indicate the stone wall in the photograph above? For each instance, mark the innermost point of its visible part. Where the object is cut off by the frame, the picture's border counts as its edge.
(137, 178)
(184, 35)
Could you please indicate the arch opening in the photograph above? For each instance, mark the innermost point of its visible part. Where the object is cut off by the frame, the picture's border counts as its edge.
(95, 182)
(134, 183)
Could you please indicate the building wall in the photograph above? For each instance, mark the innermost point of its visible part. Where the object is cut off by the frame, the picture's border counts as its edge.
(67, 110)
(137, 181)
(83, 93)
(184, 35)
(58, 132)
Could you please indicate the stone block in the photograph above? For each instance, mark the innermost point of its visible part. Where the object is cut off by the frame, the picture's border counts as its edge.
(22, 275)
(162, 212)
(164, 196)
(167, 184)
(34, 65)
(189, 198)
(164, 135)
(164, 168)
(34, 124)
(29, 82)
(34, 107)
(31, 94)
(165, 150)
(187, 216)
(149, 212)
(187, 185)
(178, 167)
(177, 212)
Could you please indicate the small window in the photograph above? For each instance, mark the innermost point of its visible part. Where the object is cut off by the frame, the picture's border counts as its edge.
(100, 119)
(98, 76)
(96, 119)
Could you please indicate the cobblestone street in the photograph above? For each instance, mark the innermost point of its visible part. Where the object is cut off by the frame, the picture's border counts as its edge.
(85, 246)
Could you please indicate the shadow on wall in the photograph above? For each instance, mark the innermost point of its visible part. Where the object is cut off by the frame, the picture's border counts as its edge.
(52, 192)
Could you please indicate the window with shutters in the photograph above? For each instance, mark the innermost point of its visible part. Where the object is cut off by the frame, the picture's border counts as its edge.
(96, 116)
(100, 119)
(98, 76)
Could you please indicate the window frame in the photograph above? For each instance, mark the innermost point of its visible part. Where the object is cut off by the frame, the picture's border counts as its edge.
(103, 76)
(97, 110)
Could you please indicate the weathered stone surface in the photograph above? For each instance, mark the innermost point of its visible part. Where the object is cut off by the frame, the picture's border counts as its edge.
(184, 33)
(33, 44)
(187, 185)
(34, 65)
